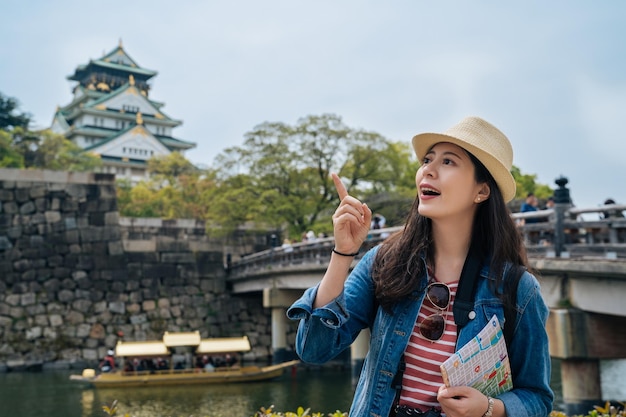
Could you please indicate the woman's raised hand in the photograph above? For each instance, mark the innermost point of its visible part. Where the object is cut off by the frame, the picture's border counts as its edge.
(351, 221)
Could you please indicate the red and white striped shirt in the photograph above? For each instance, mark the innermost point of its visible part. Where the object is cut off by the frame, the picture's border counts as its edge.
(422, 376)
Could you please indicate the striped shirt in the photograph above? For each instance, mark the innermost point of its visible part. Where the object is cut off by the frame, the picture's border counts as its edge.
(422, 376)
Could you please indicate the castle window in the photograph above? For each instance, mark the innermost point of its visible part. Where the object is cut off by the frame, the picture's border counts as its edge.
(130, 109)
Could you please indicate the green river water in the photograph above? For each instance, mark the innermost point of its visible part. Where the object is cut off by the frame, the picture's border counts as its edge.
(52, 394)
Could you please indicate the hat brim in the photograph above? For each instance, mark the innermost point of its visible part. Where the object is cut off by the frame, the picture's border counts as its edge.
(500, 173)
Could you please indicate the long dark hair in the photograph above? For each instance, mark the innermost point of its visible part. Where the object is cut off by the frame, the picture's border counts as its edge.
(398, 264)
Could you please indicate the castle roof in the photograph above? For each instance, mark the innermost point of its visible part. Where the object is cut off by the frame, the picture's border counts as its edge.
(117, 60)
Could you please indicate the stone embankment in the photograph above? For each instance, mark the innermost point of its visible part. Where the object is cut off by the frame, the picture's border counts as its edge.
(75, 277)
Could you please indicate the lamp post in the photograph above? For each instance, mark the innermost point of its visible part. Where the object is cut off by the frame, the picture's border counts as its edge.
(562, 202)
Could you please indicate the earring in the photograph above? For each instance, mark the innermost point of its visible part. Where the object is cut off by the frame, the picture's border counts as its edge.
(478, 200)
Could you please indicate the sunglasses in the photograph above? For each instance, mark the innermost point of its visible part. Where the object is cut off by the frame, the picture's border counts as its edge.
(433, 326)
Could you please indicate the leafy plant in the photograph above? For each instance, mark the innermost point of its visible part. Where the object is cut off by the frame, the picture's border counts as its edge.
(301, 412)
(110, 410)
(608, 410)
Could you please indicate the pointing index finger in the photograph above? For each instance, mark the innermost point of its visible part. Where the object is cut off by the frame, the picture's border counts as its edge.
(341, 189)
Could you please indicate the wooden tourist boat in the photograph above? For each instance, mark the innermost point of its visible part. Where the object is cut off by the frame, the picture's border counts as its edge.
(181, 352)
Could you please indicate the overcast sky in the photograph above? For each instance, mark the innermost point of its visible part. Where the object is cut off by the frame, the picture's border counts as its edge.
(550, 74)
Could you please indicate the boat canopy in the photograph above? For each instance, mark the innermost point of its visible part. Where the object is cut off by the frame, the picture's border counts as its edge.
(141, 349)
(173, 339)
(223, 345)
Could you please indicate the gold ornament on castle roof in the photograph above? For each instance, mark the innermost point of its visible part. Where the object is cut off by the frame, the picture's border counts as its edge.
(139, 130)
(131, 79)
(139, 119)
(103, 86)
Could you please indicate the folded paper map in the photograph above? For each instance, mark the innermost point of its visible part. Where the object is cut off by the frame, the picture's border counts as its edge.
(483, 363)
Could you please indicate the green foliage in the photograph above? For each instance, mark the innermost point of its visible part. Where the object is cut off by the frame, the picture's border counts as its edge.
(176, 189)
(20, 148)
(10, 117)
(170, 167)
(279, 179)
(10, 157)
(286, 171)
(300, 412)
(527, 183)
(111, 410)
(608, 410)
(57, 153)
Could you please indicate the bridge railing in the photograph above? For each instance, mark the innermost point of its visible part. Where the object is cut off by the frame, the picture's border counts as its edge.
(300, 254)
(603, 235)
(601, 238)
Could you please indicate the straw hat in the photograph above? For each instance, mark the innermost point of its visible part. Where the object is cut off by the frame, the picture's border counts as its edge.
(481, 139)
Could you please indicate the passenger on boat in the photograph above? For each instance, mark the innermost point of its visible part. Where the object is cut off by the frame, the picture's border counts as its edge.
(230, 360)
(208, 364)
(199, 362)
(128, 367)
(108, 363)
(162, 364)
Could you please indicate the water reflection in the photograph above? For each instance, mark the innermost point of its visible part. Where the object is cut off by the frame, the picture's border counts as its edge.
(51, 394)
(87, 402)
(323, 391)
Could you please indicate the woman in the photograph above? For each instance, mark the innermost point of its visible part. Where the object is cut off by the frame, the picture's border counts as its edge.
(463, 184)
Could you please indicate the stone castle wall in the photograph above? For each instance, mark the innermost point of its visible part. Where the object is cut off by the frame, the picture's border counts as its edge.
(75, 277)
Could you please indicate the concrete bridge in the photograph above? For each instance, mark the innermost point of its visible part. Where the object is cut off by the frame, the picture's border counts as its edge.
(581, 266)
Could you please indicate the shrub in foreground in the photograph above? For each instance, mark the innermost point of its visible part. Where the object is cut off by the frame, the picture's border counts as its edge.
(608, 410)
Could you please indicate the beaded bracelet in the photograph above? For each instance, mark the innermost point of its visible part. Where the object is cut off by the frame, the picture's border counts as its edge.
(345, 254)
(489, 411)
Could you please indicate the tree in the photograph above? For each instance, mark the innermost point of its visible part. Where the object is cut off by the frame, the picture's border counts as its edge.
(527, 183)
(279, 179)
(9, 116)
(57, 153)
(286, 171)
(26, 143)
(22, 148)
(176, 189)
(9, 156)
(140, 200)
(170, 167)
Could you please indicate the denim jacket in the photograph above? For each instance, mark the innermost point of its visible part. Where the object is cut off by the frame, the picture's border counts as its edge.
(325, 332)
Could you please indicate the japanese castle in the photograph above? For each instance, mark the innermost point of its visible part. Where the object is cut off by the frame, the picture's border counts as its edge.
(112, 116)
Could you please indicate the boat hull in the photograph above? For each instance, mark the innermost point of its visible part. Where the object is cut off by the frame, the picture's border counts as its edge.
(184, 376)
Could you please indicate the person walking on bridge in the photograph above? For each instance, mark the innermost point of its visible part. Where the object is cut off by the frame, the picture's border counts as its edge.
(404, 289)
